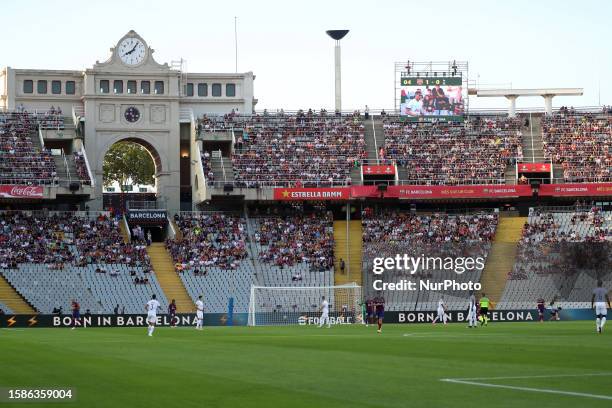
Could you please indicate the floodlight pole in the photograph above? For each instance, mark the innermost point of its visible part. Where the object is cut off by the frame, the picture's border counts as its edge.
(337, 35)
(338, 70)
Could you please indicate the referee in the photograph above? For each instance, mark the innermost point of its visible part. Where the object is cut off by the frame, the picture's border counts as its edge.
(484, 309)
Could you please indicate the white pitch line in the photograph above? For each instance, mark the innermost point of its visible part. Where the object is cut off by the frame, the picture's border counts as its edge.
(519, 377)
(467, 381)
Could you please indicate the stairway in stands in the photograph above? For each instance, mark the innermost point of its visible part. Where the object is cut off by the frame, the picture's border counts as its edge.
(222, 168)
(353, 261)
(12, 299)
(502, 256)
(168, 279)
(533, 149)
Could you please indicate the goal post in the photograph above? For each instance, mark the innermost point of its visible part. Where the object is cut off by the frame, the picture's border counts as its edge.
(289, 305)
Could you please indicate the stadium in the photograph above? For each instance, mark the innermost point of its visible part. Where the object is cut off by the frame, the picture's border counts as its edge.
(165, 241)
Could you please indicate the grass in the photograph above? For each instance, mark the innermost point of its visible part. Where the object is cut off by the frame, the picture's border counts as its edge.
(303, 366)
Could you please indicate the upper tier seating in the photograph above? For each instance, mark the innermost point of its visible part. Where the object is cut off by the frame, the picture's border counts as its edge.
(22, 161)
(438, 235)
(305, 149)
(446, 153)
(581, 144)
(560, 257)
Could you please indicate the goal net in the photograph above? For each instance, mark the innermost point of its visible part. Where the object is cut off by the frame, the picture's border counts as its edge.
(276, 305)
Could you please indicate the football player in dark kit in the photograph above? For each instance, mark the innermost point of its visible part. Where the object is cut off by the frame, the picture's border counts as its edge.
(541, 309)
(379, 305)
(76, 314)
(369, 312)
(172, 313)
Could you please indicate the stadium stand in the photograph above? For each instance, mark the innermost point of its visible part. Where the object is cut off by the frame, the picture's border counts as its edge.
(81, 168)
(475, 151)
(211, 259)
(305, 260)
(54, 258)
(5, 308)
(51, 119)
(560, 257)
(22, 159)
(439, 235)
(305, 149)
(581, 144)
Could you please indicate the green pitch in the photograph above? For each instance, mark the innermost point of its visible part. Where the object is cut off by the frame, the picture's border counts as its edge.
(555, 364)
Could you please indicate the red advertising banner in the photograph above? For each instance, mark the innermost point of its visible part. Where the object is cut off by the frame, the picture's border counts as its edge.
(576, 189)
(11, 191)
(365, 192)
(301, 194)
(534, 167)
(386, 170)
(475, 191)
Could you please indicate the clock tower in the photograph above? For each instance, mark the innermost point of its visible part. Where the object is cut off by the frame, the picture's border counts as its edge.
(131, 97)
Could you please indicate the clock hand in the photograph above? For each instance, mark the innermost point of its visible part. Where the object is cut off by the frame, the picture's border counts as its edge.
(131, 51)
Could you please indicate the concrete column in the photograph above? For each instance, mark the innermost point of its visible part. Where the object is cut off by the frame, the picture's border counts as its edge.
(512, 105)
(338, 77)
(548, 103)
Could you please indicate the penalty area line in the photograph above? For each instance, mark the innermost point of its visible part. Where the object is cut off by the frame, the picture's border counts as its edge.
(472, 381)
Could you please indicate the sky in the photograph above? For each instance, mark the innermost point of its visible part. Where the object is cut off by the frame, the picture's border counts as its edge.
(520, 44)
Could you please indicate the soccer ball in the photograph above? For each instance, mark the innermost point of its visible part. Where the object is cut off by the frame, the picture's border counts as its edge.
(480, 318)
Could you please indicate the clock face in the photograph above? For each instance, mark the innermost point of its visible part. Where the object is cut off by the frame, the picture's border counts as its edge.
(132, 114)
(131, 51)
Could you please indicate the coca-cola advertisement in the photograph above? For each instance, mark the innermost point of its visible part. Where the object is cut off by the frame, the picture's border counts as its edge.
(11, 191)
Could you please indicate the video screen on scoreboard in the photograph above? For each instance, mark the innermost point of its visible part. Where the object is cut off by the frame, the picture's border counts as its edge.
(432, 96)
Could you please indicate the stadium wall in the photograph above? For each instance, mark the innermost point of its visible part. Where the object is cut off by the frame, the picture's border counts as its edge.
(241, 319)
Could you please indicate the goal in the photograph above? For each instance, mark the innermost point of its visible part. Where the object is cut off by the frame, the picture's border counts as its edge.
(277, 306)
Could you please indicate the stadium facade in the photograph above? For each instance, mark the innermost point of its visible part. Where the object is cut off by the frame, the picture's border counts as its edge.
(129, 96)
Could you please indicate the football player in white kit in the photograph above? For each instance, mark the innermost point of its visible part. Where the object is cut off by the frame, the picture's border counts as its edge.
(441, 312)
(151, 308)
(598, 302)
(199, 313)
(472, 318)
(324, 309)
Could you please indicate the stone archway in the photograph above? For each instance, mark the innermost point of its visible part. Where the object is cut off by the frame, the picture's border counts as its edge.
(166, 167)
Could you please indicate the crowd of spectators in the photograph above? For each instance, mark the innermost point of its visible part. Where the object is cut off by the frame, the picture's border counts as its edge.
(21, 161)
(441, 235)
(207, 167)
(58, 240)
(304, 149)
(289, 240)
(208, 240)
(562, 243)
(51, 119)
(81, 167)
(395, 226)
(581, 144)
(441, 153)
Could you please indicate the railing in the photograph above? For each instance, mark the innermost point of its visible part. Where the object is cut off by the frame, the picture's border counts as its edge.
(196, 214)
(567, 208)
(89, 172)
(41, 138)
(91, 215)
(275, 184)
(222, 167)
(66, 166)
(158, 204)
(375, 142)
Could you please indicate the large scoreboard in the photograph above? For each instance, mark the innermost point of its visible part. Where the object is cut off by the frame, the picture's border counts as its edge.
(431, 90)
